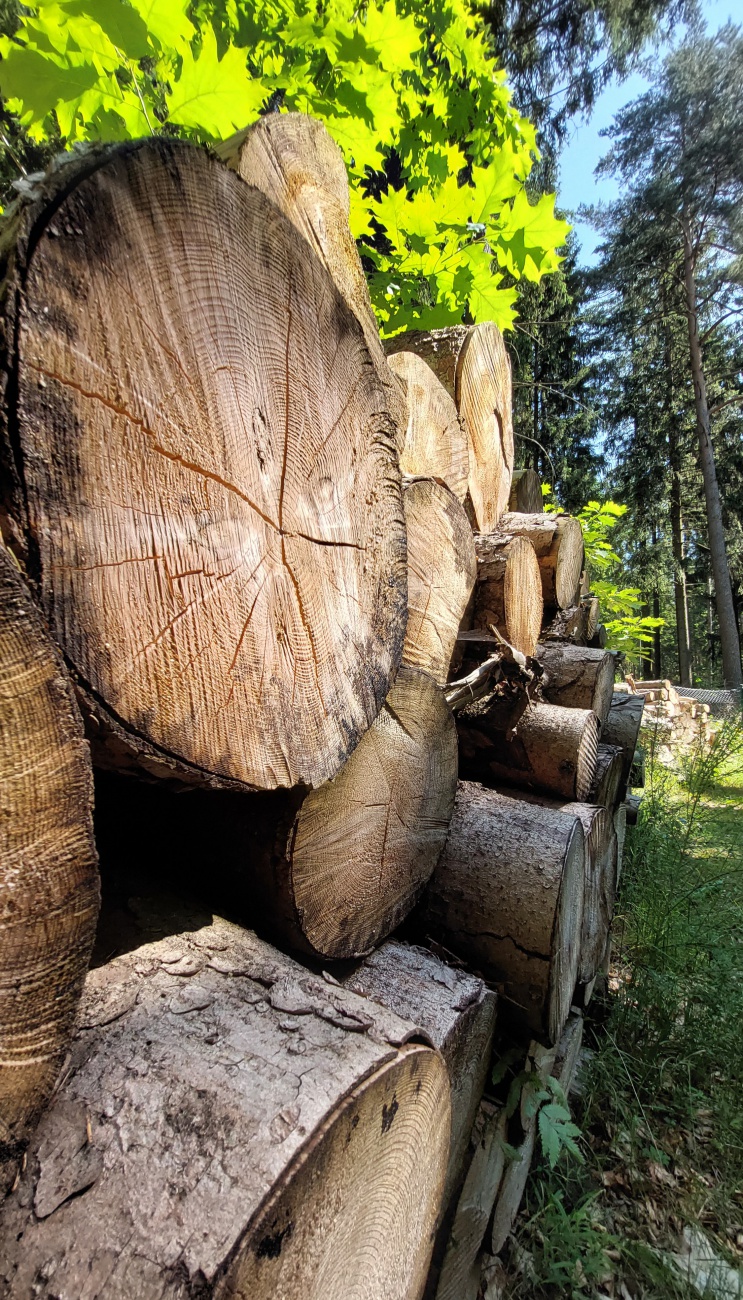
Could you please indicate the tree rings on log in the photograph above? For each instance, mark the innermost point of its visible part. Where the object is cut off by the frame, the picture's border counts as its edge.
(553, 750)
(457, 1012)
(440, 349)
(600, 885)
(507, 896)
(232, 1127)
(435, 444)
(356, 858)
(508, 594)
(558, 542)
(441, 574)
(214, 507)
(577, 678)
(483, 393)
(607, 777)
(526, 493)
(49, 880)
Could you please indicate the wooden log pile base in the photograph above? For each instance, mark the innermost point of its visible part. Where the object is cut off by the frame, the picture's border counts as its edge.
(271, 559)
(48, 865)
(558, 542)
(231, 1126)
(507, 896)
(441, 574)
(210, 499)
(552, 750)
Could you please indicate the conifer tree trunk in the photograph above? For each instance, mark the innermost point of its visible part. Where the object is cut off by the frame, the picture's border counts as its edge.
(729, 639)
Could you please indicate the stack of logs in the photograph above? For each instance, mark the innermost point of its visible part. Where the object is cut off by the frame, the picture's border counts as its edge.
(672, 721)
(283, 633)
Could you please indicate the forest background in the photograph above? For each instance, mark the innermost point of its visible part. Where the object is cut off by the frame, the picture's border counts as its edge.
(455, 120)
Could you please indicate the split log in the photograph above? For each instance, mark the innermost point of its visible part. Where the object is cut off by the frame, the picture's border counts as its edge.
(577, 678)
(507, 896)
(457, 1012)
(567, 625)
(567, 1055)
(441, 574)
(622, 727)
(484, 404)
(231, 1126)
(297, 164)
(459, 1278)
(593, 611)
(49, 878)
(526, 493)
(473, 365)
(540, 1061)
(607, 777)
(552, 750)
(620, 826)
(558, 542)
(210, 500)
(435, 444)
(508, 593)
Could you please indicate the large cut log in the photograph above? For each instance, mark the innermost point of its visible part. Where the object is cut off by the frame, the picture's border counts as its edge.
(622, 728)
(441, 574)
(507, 896)
(577, 678)
(231, 1126)
(484, 404)
(296, 163)
(552, 749)
(48, 871)
(508, 593)
(526, 493)
(457, 1012)
(558, 542)
(472, 363)
(206, 485)
(607, 777)
(435, 444)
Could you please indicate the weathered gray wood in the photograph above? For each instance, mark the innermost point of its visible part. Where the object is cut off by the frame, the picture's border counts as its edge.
(460, 1274)
(567, 1052)
(622, 727)
(456, 1010)
(507, 896)
(607, 777)
(577, 678)
(540, 1060)
(435, 444)
(231, 1126)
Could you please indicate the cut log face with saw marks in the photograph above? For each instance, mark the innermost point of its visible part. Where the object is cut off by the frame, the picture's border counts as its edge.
(209, 462)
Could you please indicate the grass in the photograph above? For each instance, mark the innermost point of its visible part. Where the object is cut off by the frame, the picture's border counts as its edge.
(661, 1107)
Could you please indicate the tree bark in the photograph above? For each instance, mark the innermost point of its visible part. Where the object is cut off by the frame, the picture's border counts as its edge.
(577, 678)
(508, 592)
(681, 600)
(435, 444)
(553, 750)
(729, 638)
(558, 542)
(457, 1012)
(607, 777)
(483, 394)
(507, 896)
(622, 728)
(231, 1126)
(207, 488)
(567, 625)
(49, 879)
(442, 567)
(620, 826)
(526, 493)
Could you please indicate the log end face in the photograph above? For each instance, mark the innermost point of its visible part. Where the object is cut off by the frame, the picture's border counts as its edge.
(569, 563)
(522, 597)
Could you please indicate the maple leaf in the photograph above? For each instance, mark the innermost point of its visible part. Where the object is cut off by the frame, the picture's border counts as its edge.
(215, 95)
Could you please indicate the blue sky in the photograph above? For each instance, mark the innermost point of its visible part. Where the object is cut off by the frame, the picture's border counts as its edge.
(585, 146)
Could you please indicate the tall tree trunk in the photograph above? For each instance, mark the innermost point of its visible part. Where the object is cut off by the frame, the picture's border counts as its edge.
(681, 599)
(729, 639)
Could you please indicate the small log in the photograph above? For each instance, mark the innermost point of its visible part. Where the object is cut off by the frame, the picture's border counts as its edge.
(219, 1101)
(49, 879)
(440, 349)
(607, 777)
(593, 611)
(637, 771)
(558, 542)
(508, 592)
(568, 1050)
(483, 398)
(632, 807)
(567, 625)
(498, 690)
(577, 678)
(620, 826)
(622, 728)
(507, 896)
(211, 502)
(457, 1012)
(541, 1062)
(441, 574)
(553, 750)
(459, 1278)
(600, 638)
(435, 444)
(526, 493)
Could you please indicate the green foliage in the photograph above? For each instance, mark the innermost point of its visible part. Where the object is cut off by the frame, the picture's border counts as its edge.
(544, 1100)
(436, 153)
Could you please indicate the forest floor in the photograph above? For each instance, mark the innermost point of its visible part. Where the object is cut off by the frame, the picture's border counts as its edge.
(654, 1210)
